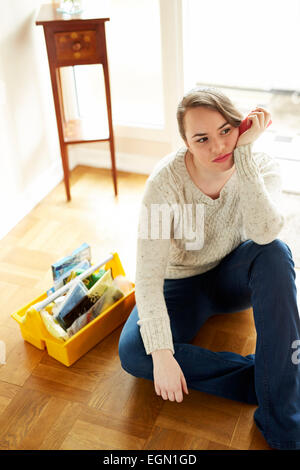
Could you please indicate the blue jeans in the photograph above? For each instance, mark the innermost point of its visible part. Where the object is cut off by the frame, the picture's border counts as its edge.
(252, 275)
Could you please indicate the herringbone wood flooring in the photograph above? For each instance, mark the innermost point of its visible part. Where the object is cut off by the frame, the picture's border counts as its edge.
(95, 404)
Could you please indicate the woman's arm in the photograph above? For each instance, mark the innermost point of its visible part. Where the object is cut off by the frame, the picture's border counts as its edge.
(151, 262)
(260, 191)
(154, 321)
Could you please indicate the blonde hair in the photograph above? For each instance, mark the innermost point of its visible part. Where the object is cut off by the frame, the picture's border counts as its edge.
(211, 98)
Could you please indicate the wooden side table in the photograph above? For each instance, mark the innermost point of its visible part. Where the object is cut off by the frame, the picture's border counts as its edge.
(75, 40)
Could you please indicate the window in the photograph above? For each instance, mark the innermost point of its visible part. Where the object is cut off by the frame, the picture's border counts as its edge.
(252, 45)
(134, 50)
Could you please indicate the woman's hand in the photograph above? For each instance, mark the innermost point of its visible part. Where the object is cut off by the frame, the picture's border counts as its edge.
(260, 118)
(169, 380)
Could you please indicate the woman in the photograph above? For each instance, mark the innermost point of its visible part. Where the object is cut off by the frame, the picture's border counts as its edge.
(233, 262)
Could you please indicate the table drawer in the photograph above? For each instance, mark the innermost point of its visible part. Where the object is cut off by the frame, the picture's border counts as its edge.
(76, 45)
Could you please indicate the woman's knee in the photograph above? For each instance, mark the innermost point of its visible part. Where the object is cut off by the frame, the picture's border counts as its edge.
(277, 250)
(131, 349)
(126, 350)
(279, 246)
(134, 359)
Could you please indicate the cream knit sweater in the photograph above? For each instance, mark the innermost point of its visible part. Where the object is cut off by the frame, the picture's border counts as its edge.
(247, 208)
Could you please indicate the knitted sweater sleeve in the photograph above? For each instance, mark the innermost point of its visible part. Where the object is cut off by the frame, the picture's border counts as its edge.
(151, 262)
(260, 190)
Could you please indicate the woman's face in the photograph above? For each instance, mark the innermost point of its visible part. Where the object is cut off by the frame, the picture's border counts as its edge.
(219, 139)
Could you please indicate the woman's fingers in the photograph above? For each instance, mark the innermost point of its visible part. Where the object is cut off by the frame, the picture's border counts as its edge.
(263, 115)
(169, 395)
(179, 396)
(184, 385)
(258, 119)
(255, 120)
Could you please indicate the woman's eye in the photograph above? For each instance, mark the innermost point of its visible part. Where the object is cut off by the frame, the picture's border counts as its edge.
(227, 129)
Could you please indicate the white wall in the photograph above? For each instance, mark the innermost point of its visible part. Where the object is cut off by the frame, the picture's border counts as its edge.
(29, 150)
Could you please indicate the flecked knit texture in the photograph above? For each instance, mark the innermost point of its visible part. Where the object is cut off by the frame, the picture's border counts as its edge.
(247, 208)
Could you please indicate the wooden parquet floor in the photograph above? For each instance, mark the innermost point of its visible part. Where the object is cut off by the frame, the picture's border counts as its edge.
(95, 404)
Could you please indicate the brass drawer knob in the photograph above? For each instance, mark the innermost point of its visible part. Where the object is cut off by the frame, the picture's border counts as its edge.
(76, 46)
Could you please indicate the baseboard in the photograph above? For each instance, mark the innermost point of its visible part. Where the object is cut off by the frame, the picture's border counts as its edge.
(24, 202)
(132, 163)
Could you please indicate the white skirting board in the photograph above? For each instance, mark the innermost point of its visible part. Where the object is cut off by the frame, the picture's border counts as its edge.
(24, 202)
(132, 163)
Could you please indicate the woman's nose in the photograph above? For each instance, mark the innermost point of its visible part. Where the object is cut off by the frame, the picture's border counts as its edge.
(218, 148)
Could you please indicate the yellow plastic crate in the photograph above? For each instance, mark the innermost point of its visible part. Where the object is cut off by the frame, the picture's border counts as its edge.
(68, 352)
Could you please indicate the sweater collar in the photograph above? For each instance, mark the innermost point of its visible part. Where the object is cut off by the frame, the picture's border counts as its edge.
(197, 193)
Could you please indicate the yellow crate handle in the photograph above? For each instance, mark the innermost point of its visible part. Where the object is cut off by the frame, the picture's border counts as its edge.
(40, 305)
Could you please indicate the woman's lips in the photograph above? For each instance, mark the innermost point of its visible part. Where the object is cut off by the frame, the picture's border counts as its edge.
(222, 159)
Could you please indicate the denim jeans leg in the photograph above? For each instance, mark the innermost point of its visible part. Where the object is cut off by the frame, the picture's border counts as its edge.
(274, 298)
(190, 302)
(268, 272)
